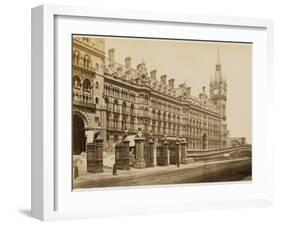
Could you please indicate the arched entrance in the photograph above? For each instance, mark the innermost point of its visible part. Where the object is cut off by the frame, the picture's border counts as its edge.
(204, 141)
(78, 135)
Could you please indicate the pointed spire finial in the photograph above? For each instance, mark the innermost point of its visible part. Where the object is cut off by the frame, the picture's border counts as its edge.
(218, 55)
(218, 64)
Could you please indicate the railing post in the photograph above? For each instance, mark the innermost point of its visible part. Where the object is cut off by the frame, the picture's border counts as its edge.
(139, 141)
(95, 154)
(162, 153)
(178, 152)
(122, 154)
(149, 151)
(183, 151)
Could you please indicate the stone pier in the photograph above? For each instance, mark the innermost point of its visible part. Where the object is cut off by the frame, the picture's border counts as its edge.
(139, 141)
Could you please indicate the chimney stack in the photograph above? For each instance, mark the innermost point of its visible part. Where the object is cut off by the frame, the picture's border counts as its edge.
(203, 89)
(128, 62)
(163, 79)
(172, 83)
(188, 90)
(111, 55)
(153, 75)
(183, 85)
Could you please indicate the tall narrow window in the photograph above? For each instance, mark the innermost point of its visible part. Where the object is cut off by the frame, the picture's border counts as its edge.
(86, 85)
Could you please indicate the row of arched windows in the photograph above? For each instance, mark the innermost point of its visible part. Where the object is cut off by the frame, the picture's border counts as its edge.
(120, 93)
(84, 60)
(116, 122)
(166, 116)
(77, 83)
(85, 87)
(125, 109)
(86, 83)
(164, 106)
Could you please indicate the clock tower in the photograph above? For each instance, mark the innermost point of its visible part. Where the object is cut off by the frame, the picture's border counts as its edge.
(218, 88)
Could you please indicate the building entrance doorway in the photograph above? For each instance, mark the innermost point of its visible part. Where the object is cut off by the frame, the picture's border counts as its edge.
(78, 135)
(204, 143)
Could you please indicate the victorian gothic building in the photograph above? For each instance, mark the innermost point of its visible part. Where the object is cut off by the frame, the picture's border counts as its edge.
(114, 97)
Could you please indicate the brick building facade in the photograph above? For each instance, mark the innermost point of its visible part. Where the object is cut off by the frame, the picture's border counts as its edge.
(114, 97)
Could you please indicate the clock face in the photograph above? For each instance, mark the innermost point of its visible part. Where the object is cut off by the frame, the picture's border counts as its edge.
(215, 91)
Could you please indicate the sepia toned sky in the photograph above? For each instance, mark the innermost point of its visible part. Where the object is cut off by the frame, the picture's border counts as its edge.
(194, 62)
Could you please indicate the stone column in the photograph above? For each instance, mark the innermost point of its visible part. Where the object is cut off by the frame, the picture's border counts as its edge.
(139, 141)
(110, 143)
(128, 123)
(120, 139)
(103, 125)
(119, 124)
(161, 128)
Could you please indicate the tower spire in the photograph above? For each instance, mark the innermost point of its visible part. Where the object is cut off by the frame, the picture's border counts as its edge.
(218, 73)
(218, 55)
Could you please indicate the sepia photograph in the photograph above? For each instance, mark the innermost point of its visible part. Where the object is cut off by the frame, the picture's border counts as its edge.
(151, 111)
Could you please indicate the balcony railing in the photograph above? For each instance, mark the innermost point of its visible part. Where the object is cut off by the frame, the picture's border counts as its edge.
(83, 103)
(133, 113)
(116, 110)
(143, 114)
(125, 112)
(83, 65)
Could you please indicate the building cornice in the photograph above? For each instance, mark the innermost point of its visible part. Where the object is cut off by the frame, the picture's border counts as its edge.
(90, 49)
(137, 88)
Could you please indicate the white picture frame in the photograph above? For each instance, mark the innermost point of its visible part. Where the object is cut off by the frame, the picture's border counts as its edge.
(47, 188)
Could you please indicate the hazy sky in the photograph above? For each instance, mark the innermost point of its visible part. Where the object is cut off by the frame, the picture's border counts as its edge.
(194, 62)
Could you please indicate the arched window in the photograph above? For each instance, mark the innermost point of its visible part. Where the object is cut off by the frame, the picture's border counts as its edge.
(132, 122)
(86, 57)
(153, 114)
(124, 123)
(106, 103)
(76, 81)
(86, 85)
(76, 56)
(132, 109)
(85, 39)
(146, 111)
(97, 67)
(97, 84)
(97, 100)
(115, 106)
(115, 123)
(87, 61)
(124, 107)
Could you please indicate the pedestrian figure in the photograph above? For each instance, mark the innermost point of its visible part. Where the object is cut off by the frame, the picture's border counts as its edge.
(114, 169)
